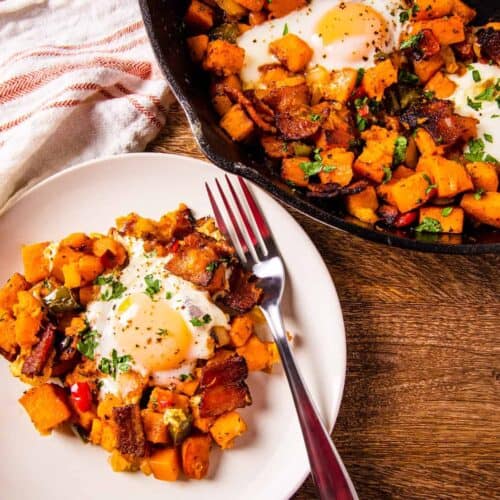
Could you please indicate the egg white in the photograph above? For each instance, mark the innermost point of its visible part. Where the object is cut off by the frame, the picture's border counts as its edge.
(489, 114)
(183, 297)
(303, 23)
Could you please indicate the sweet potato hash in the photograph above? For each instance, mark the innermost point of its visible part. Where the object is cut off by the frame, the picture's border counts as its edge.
(141, 340)
(386, 109)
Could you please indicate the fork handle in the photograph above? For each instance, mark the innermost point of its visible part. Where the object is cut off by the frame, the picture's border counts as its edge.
(328, 471)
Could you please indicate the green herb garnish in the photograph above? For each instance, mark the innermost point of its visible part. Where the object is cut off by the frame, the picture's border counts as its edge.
(315, 167)
(412, 42)
(285, 29)
(446, 212)
(204, 320)
(431, 185)
(401, 146)
(478, 194)
(152, 286)
(88, 342)
(387, 175)
(113, 288)
(117, 364)
(429, 225)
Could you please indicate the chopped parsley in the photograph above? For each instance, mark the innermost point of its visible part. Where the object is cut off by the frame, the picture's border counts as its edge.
(359, 76)
(476, 76)
(429, 225)
(113, 288)
(411, 42)
(476, 106)
(183, 377)
(212, 266)
(478, 194)
(168, 295)
(315, 117)
(476, 152)
(315, 167)
(361, 123)
(152, 286)
(446, 212)
(387, 175)
(431, 185)
(204, 320)
(117, 364)
(285, 29)
(405, 15)
(488, 138)
(88, 342)
(401, 146)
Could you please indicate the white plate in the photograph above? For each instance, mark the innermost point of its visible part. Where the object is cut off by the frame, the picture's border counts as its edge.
(270, 462)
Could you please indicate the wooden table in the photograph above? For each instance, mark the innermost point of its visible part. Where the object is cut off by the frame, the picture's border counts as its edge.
(420, 416)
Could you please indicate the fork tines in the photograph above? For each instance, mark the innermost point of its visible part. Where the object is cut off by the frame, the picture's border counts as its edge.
(242, 221)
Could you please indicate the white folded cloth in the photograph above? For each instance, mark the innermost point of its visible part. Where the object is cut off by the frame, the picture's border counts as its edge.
(78, 80)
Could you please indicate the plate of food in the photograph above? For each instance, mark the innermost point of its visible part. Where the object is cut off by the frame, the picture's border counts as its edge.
(376, 117)
(133, 344)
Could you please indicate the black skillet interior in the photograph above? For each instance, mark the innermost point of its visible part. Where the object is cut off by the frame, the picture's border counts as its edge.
(164, 23)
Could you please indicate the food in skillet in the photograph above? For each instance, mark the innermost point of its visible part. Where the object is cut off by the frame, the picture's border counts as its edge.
(386, 107)
(142, 339)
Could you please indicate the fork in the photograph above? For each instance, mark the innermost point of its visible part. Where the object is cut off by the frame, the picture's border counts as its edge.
(250, 235)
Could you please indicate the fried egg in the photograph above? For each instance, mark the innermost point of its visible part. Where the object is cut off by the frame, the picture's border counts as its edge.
(476, 95)
(341, 34)
(151, 322)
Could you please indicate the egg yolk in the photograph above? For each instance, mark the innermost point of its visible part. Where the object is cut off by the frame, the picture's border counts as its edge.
(154, 334)
(356, 25)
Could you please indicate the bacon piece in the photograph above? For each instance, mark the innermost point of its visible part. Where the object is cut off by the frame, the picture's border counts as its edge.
(388, 213)
(219, 399)
(194, 258)
(131, 439)
(438, 118)
(243, 291)
(287, 97)
(489, 39)
(332, 190)
(249, 106)
(37, 359)
(300, 123)
(67, 356)
(227, 371)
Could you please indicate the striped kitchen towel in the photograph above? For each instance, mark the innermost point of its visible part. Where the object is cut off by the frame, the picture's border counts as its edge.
(78, 80)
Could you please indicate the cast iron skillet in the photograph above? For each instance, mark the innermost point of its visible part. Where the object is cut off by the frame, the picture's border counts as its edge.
(164, 23)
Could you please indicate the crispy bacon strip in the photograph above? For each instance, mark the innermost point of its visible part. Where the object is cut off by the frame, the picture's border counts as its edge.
(333, 190)
(243, 291)
(219, 399)
(131, 439)
(37, 359)
(300, 123)
(242, 99)
(287, 97)
(489, 39)
(231, 370)
(438, 118)
(197, 258)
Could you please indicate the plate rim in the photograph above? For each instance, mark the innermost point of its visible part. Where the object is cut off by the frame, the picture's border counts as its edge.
(332, 412)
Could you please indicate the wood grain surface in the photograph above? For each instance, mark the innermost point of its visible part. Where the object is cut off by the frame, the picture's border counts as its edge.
(420, 418)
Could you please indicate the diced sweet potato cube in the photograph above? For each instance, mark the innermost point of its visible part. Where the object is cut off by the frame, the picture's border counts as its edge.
(111, 251)
(197, 46)
(165, 464)
(88, 294)
(432, 9)
(484, 208)
(196, 455)
(47, 406)
(450, 177)
(378, 78)
(256, 18)
(232, 9)
(8, 293)
(72, 278)
(121, 463)
(279, 8)
(8, 344)
(89, 268)
(337, 166)
(377, 154)
(293, 173)
(162, 399)
(223, 58)
(29, 314)
(410, 193)
(154, 427)
(484, 176)
(363, 205)
(450, 221)
(241, 330)
(109, 437)
(425, 69)
(441, 86)
(292, 52)
(253, 5)
(341, 85)
(426, 144)
(227, 428)
(464, 11)
(95, 435)
(255, 353)
(448, 30)
(36, 266)
(237, 123)
(199, 16)
(64, 256)
(201, 423)
(384, 191)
